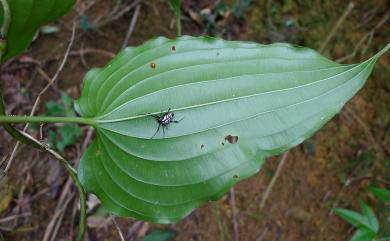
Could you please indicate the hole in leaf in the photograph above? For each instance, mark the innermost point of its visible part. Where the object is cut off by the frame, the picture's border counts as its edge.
(173, 48)
(235, 176)
(202, 146)
(223, 144)
(231, 139)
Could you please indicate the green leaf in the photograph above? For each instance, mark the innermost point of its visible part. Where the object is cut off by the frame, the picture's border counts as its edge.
(160, 235)
(69, 134)
(381, 193)
(370, 215)
(238, 102)
(54, 108)
(353, 218)
(68, 104)
(175, 5)
(27, 16)
(363, 235)
(85, 23)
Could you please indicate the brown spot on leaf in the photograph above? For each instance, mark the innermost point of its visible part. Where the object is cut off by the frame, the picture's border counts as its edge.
(173, 48)
(153, 65)
(231, 139)
(235, 176)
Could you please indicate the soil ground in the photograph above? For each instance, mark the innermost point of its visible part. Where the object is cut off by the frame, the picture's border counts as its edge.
(354, 145)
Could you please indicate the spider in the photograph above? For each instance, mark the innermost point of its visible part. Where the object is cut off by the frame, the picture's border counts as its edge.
(164, 119)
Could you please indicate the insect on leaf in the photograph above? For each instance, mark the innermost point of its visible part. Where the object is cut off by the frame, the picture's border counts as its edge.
(238, 102)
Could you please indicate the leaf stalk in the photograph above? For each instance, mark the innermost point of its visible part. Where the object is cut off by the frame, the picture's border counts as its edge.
(46, 119)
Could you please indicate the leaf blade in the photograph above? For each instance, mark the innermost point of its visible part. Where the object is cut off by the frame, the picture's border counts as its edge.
(26, 18)
(269, 97)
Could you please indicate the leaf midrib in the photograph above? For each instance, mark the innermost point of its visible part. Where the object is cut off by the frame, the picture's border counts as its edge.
(100, 120)
(247, 118)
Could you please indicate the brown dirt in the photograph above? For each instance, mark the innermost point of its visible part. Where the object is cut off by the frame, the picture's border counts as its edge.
(313, 176)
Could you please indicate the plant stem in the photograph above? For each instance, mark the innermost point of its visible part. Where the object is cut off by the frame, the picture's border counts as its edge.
(46, 119)
(175, 4)
(178, 21)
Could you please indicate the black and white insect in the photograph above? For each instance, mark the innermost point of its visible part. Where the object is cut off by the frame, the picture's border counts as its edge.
(164, 119)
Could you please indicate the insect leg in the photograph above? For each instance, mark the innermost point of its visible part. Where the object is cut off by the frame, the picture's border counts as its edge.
(178, 120)
(158, 128)
(163, 128)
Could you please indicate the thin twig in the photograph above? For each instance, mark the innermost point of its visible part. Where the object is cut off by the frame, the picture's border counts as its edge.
(87, 138)
(364, 38)
(235, 223)
(350, 181)
(117, 14)
(10, 218)
(263, 234)
(219, 222)
(57, 214)
(379, 151)
(274, 178)
(340, 21)
(118, 229)
(131, 26)
(133, 230)
(41, 93)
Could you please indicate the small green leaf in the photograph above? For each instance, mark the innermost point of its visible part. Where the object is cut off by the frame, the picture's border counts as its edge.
(68, 136)
(370, 215)
(160, 235)
(363, 235)
(85, 22)
(381, 193)
(27, 16)
(175, 5)
(68, 104)
(54, 108)
(52, 138)
(353, 218)
(237, 103)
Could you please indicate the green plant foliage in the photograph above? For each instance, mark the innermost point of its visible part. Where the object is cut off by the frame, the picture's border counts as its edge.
(160, 235)
(367, 223)
(240, 6)
(238, 102)
(85, 23)
(68, 133)
(175, 5)
(27, 16)
(381, 193)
